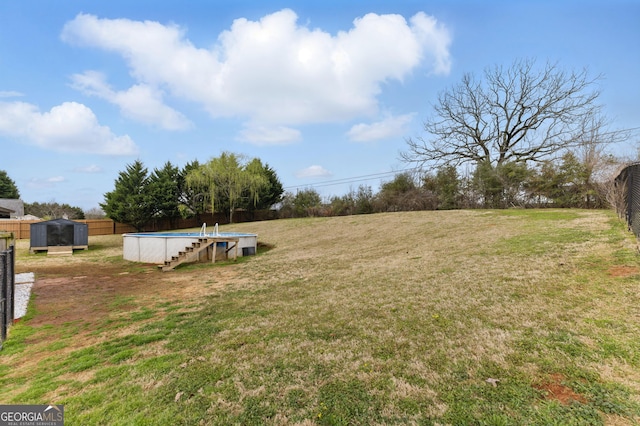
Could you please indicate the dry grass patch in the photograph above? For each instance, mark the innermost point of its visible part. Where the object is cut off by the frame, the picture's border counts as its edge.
(422, 317)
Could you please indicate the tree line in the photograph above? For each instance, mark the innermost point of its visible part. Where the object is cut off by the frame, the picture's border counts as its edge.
(565, 183)
(48, 210)
(223, 184)
(578, 179)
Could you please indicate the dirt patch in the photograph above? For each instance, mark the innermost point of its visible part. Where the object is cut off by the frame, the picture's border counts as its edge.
(82, 297)
(91, 294)
(555, 390)
(63, 300)
(88, 296)
(623, 271)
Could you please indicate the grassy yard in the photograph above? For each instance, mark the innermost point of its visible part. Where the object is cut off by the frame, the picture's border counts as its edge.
(515, 317)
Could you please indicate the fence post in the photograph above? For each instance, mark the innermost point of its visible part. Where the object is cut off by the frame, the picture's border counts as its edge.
(3, 296)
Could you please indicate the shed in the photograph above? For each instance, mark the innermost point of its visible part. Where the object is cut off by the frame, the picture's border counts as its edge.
(59, 236)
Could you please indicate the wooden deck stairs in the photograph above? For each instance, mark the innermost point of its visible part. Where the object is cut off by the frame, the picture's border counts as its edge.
(193, 252)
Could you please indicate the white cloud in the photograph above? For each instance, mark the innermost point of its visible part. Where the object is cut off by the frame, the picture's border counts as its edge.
(141, 102)
(69, 127)
(269, 135)
(89, 169)
(435, 40)
(313, 172)
(46, 183)
(390, 127)
(10, 94)
(274, 70)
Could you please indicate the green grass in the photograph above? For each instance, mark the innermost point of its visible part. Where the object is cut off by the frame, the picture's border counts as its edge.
(407, 318)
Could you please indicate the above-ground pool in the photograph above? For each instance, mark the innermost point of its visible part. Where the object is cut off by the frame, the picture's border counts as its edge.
(159, 247)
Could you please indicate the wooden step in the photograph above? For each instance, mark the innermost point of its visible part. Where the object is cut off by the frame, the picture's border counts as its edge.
(193, 252)
(59, 250)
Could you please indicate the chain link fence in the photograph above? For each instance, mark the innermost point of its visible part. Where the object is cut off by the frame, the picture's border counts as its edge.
(627, 196)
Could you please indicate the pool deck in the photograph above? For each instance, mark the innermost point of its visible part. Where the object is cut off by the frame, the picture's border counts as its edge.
(204, 244)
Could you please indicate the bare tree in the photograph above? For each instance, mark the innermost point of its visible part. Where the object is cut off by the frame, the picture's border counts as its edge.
(94, 213)
(515, 115)
(615, 193)
(599, 167)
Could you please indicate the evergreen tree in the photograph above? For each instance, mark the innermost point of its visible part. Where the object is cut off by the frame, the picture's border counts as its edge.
(130, 202)
(446, 187)
(8, 188)
(164, 191)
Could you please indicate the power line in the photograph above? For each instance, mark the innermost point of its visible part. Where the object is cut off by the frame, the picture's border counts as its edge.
(381, 175)
(343, 180)
(353, 179)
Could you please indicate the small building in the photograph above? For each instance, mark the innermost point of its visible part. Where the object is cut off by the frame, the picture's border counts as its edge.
(5, 213)
(10, 208)
(59, 236)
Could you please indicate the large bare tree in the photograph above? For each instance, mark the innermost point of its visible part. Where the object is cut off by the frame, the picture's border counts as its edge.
(517, 114)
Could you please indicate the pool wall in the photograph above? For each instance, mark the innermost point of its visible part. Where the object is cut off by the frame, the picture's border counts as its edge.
(160, 247)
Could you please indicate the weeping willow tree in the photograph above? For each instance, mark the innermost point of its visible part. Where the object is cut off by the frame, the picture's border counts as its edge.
(228, 179)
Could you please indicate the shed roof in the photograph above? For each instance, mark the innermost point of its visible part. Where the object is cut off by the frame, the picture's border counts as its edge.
(59, 221)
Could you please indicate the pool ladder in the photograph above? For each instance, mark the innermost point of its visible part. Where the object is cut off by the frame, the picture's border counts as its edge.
(203, 230)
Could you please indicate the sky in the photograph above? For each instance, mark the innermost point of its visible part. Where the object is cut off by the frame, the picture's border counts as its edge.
(324, 92)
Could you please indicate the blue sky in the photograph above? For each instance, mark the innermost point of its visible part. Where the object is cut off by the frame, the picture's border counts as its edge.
(324, 92)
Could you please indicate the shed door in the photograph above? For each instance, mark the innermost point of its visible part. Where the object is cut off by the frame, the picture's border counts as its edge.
(60, 234)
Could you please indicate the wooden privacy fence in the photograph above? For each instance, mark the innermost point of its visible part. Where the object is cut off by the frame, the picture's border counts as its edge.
(21, 229)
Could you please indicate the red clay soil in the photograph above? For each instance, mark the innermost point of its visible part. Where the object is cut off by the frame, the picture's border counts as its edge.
(555, 390)
(88, 296)
(89, 293)
(623, 271)
(82, 297)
